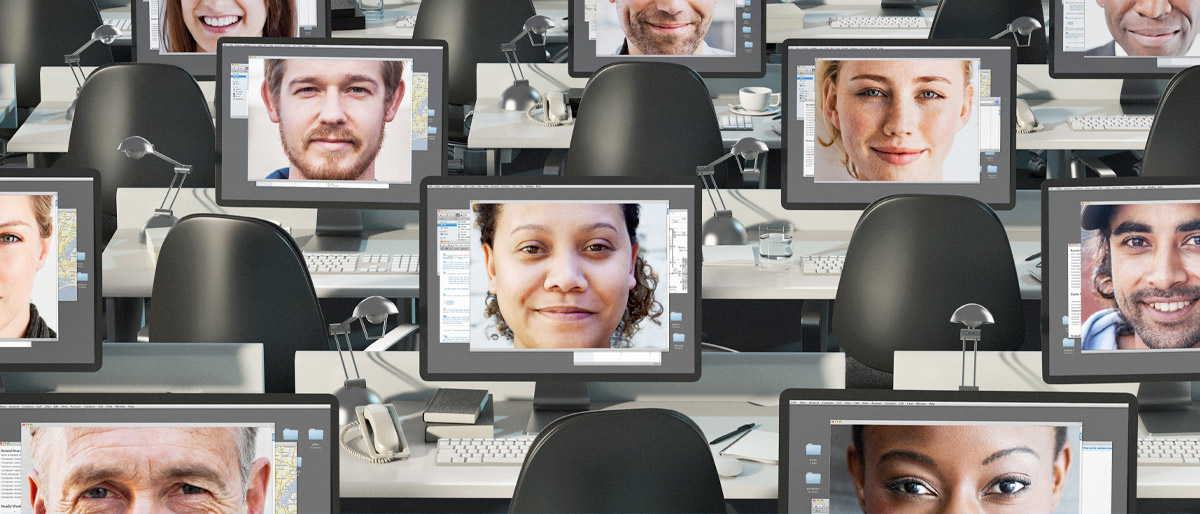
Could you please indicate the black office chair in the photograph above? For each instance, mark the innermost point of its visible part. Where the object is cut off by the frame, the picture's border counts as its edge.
(645, 119)
(983, 19)
(36, 33)
(222, 278)
(473, 31)
(912, 261)
(1171, 149)
(160, 102)
(635, 460)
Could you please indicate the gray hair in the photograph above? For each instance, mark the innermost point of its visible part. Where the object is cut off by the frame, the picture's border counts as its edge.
(245, 437)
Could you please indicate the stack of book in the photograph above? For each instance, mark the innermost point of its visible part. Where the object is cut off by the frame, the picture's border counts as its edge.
(459, 414)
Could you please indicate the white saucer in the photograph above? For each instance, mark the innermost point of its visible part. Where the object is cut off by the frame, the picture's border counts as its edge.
(737, 109)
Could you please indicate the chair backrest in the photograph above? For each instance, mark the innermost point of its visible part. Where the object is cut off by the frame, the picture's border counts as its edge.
(1171, 149)
(232, 279)
(36, 33)
(912, 261)
(645, 119)
(159, 102)
(473, 31)
(982, 19)
(627, 460)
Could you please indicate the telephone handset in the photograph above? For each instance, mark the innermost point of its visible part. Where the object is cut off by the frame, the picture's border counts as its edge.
(555, 107)
(381, 432)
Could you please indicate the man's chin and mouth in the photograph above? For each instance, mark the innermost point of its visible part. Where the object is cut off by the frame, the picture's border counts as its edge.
(1156, 41)
(1167, 323)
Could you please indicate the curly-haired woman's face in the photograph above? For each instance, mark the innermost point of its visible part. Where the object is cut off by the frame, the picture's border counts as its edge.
(561, 273)
(209, 20)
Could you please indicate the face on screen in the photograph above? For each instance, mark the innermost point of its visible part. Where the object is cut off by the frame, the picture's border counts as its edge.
(209, 20)
(963, 469)
(26, 225)
(1151, 27)
(332, 114)
(664, 27)
(895, 120)
(147, 469)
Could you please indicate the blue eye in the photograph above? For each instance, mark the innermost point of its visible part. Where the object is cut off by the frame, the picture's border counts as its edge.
(871, 92)
(10, 238)
(929, 94)
(97, 493)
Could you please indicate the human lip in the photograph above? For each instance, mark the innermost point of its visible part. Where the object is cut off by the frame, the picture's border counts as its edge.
(1154, 37)
(669, 27)
(220, 23)
(565, 312)
(1167, 310)
(332, 145)
(898, 155)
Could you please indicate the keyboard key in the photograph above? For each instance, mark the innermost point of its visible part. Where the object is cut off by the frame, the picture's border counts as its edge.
(336, 262)
(504, 452)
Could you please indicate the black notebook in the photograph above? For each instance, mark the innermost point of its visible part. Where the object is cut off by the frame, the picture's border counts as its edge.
(456, 406)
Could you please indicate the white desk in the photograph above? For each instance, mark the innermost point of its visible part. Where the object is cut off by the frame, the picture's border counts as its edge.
(1022, 371)
(719, 402)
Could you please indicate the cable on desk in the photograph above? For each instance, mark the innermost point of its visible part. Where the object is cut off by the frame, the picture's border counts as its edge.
(346, 446)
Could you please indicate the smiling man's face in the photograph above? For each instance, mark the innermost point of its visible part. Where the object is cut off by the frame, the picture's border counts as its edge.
(1151, 27)
(665, 27)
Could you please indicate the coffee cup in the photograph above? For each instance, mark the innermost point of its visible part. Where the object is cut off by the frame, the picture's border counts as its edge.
(758, 99)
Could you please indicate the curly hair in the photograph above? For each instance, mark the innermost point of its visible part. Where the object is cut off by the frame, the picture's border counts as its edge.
(640, 304)
(1098, 252)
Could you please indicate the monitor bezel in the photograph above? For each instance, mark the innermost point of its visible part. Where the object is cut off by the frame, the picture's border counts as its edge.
(1054, 39)
(1046, 272)
(133, 16)
(96, 288)
(423, 303)
(882, 395)
(574, 72)
(190, 399)
(789, 106)
(218, 102)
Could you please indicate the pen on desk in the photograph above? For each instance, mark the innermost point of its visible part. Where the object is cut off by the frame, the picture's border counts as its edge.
(736, 431)
(1034, 256)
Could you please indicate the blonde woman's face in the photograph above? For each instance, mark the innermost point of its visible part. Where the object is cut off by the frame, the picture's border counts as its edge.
(898, 119)
(209, 20)
(23, 252)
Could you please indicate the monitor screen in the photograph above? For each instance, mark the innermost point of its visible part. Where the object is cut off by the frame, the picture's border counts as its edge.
(716, 38)
(1120, 280)
(851, 451)
(49, 281)
(184, 33)
(66, 452)
(1091, 39)
(342, 123)
(866, 120)
(560, 279)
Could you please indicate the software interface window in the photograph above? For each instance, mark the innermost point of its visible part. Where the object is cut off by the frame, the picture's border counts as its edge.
(113, 457)
(1101, 39)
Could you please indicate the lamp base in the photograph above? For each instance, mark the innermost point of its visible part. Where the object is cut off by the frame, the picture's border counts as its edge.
(519, 97)
(162, 218)
(354, 393)
(724, 229)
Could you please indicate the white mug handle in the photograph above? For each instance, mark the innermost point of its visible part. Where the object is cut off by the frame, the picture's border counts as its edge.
(775, 98)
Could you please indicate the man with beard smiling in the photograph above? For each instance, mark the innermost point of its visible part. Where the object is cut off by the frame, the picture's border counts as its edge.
(1146, 259)
(1148, 27)
(331, 114)
(666, 27)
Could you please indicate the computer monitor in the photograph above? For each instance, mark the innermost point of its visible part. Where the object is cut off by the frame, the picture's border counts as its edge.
(715, 38)
(886, 7)
(50, 274)
(336, 124)
(185, 33)
(852, 451)
(1119, 290)
(560, 281)
(65, 452)
(868, 119)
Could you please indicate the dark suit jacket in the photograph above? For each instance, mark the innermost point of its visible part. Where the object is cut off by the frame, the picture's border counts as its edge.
(1104, 50)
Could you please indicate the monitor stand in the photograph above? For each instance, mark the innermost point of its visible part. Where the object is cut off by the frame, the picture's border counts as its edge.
(1141, 96)
(338, 230)
(553, 400)
(1166, 408)
(899, 8)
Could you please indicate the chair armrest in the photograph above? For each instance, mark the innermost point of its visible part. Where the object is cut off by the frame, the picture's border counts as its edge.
(391, 338)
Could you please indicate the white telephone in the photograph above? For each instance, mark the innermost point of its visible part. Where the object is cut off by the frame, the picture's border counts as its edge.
(380, 429)
(555, 107)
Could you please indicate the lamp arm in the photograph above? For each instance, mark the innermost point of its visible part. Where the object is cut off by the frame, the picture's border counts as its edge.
(510, 48)
(341, 328)
(1006, 31)
(173, 162)
(181, 173)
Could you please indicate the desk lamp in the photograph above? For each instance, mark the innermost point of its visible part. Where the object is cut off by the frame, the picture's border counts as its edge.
(1022, 27)
(521, 96)
(136, 147)
(105, 34)
(723, 228)
(972, 315)
(354, 391)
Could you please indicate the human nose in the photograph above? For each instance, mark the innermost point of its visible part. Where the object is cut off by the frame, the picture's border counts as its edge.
(146, 505)
(671, 6)
(1167, 269)
(332, 112)
(901, 119)
(566, 274)
(1152, 8)
(961, 503)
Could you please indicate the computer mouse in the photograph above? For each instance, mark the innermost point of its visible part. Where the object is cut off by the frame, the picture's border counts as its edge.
(728, 467)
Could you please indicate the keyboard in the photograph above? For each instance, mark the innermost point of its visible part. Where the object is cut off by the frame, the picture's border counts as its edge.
(736, 122)
(121, 24)
(468, 452)
(337, 262)
(406, 22)
(1168, 452)
(822, 264)
(879, 22)
(1111, 122)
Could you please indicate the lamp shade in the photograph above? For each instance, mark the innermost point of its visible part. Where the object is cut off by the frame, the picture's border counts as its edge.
(375, 309)
(106, 34)
(135, 147)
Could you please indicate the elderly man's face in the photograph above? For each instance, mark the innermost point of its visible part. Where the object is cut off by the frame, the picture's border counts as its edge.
(1151, 27)
(95, 470)
(665, 27)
